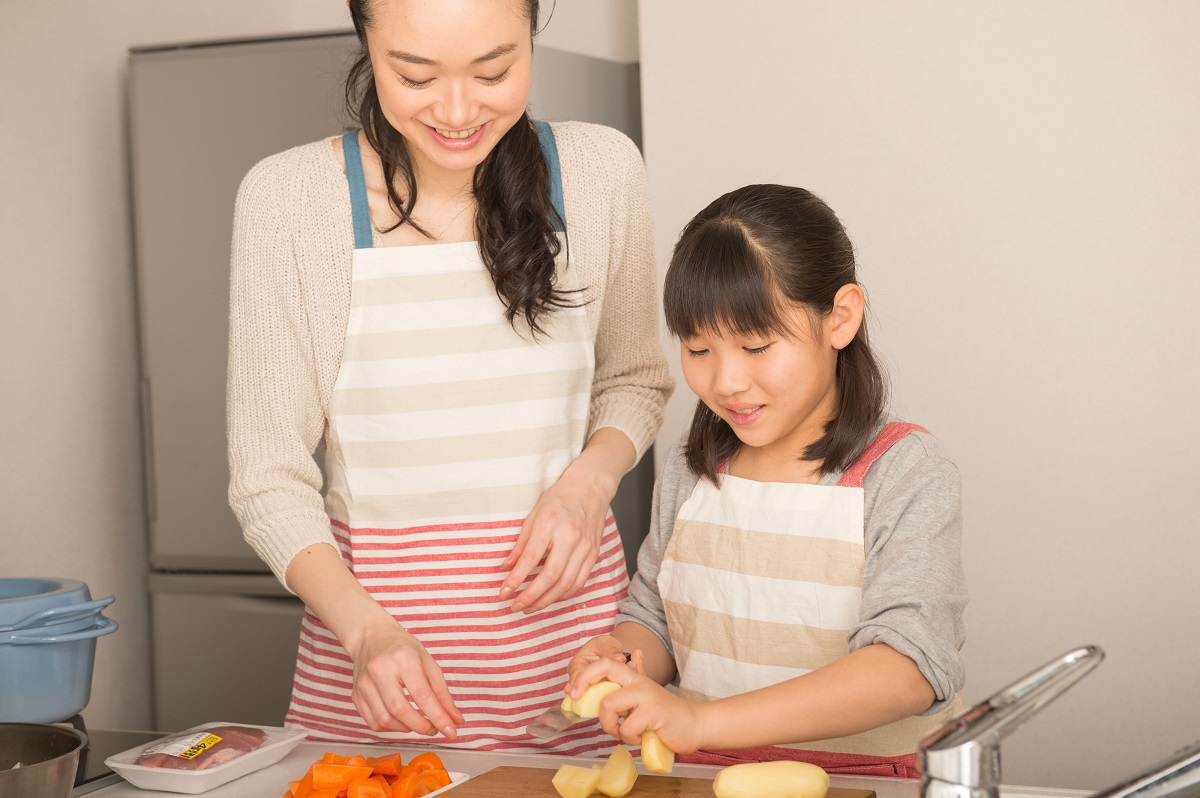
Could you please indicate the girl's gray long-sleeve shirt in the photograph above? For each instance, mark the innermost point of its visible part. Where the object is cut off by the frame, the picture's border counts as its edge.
(914, 590)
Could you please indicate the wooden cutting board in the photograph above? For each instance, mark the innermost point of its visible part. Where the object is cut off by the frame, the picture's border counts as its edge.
(510, 782)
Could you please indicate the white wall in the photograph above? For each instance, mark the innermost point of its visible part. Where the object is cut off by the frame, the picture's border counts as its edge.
(1020, 180)
(70, 477)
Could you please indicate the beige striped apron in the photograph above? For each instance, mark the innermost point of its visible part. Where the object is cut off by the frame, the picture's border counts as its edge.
(445, 427)
(762, 582)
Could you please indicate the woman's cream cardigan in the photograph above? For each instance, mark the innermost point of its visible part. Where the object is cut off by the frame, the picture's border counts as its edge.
(290, 298)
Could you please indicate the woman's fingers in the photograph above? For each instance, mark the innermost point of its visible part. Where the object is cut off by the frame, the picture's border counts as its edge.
(401, 688)
(529, 551)
(435, 716)
(374, 709)
(558, 579)
(511, 583)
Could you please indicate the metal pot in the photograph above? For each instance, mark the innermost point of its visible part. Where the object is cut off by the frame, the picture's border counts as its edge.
(38, 760)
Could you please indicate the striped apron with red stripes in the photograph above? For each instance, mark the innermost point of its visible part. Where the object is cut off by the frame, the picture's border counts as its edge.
(445, 427)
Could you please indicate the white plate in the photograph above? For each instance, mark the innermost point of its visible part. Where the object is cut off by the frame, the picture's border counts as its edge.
(279, 741)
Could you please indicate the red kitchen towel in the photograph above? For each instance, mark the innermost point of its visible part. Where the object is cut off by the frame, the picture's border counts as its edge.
(831, 762)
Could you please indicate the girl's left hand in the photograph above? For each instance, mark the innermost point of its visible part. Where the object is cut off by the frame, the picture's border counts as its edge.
(640, 705)
(564, 527)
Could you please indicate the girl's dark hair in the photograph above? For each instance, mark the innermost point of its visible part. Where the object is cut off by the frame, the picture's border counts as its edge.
(515, 217)
(737, 267)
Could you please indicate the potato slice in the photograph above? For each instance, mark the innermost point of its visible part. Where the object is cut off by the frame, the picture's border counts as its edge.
(618, 774)
(656, 756)
(588, 704)
(771, 780)
(572, 781)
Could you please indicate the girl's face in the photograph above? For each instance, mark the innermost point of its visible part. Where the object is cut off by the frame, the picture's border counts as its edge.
(452, 76)
(775, 391)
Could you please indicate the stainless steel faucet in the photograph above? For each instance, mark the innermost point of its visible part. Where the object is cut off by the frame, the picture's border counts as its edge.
(961, 759)
(1177, 776)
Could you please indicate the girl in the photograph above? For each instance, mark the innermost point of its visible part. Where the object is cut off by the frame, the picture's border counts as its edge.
(403, 296)
(801, 583)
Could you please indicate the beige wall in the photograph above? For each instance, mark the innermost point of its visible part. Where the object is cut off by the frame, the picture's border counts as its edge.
(1020, 180)
(70, 477)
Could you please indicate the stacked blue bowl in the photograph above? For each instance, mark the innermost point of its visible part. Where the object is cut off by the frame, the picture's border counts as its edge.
(48, 631)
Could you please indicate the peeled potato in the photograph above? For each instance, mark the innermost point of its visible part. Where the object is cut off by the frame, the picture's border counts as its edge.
(588, 704)
(572, 781)
(656, 756)
(618, 774)
(770, 780)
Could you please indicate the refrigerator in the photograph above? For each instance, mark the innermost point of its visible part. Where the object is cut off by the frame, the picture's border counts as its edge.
(201, 114)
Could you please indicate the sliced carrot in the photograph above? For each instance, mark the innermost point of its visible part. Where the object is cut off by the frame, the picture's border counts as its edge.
(442, 777)
(365, 788)
(383, 782)
(388, 765)
(358, 760)
(427, 783)
(333, 759)
(337, 777)
(404, 786)
(421, 762)
(330, 793)
(303, 787)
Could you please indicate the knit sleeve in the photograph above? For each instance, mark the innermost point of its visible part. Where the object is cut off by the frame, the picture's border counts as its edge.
(914, 588)
(643, 604)
(632, 381)
(274, 416)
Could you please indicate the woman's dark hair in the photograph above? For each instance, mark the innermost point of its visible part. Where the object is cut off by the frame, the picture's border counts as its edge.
(515, 217)
(738, 266)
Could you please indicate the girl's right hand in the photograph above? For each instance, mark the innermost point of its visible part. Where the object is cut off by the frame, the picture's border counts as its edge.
(389, 662)
(642, 705)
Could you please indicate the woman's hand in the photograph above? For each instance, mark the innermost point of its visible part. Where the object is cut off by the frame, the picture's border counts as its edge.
(566, 525)
(640, 705)
(388, 663)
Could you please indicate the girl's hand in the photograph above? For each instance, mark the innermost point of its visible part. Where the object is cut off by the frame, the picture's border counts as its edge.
(390, 662)
(641, 704)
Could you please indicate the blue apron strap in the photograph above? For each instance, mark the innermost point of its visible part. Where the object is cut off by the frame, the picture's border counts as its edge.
(550, 148)
(359, 208)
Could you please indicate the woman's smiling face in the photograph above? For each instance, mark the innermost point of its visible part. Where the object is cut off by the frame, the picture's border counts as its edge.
(452, 76)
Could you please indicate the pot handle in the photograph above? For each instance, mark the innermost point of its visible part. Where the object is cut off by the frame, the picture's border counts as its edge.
(33, 637)
(67, 612)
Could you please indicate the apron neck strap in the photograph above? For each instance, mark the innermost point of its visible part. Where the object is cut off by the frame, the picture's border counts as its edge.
(853, 476)
(361, 211)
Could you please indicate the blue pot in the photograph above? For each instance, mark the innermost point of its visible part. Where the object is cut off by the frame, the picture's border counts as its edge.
(21, 598)
(48, 631)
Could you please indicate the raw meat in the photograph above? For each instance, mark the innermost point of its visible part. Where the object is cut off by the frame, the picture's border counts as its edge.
(235, 741)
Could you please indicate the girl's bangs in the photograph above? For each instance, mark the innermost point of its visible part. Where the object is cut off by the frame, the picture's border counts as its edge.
(719, 282)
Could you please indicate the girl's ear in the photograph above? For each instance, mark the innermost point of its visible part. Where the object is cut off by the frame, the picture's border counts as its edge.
(845, 318)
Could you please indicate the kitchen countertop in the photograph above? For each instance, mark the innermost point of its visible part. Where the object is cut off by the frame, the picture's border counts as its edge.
(272, 781)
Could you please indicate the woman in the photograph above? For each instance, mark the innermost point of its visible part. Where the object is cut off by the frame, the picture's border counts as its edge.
(480, 378)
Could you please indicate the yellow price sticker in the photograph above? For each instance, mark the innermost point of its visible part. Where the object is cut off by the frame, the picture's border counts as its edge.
(201, 746)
